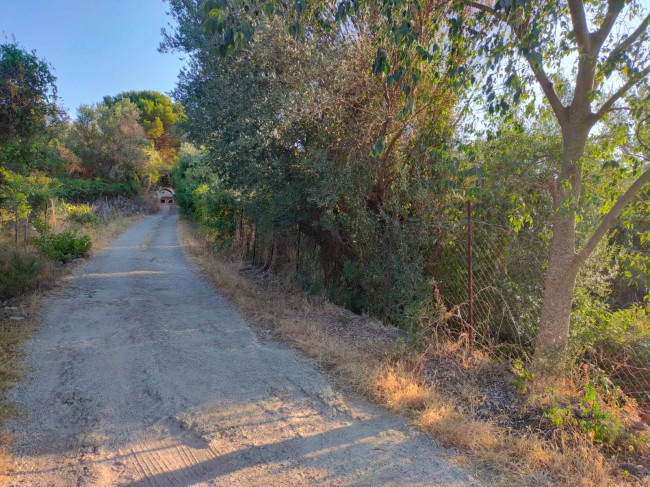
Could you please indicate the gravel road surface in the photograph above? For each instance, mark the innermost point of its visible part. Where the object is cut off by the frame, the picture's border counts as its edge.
(141, 374)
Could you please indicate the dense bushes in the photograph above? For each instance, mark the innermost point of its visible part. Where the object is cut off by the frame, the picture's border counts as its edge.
(64, 246)
(202, 197)
(89, 190)
(17, 271)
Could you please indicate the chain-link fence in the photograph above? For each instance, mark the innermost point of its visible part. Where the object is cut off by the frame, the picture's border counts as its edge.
(483, 274)
(489, 280)
(415, 274)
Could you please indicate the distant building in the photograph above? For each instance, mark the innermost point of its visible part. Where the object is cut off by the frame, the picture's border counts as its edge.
(165, 196)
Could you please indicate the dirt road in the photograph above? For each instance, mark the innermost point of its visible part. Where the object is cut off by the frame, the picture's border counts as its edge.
(142, 375)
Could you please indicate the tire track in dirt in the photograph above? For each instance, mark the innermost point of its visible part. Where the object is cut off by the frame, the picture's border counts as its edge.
(142, 375)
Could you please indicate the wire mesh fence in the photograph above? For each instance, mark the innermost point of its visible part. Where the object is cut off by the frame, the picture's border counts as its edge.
(416, 274)
(489, 278)
(481, 274)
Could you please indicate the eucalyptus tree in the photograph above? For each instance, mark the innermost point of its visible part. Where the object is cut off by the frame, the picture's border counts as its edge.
(605, 46)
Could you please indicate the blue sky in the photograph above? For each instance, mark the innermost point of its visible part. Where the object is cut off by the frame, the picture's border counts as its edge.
(96, 47)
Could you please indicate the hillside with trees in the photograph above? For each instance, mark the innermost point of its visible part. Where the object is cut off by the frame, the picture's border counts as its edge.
(343, 146)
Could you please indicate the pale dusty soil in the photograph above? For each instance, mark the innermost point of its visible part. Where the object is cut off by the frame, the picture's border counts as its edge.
(142, 375)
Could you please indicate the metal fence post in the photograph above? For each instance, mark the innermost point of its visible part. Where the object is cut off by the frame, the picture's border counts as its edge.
(384, 318)
(470, 297)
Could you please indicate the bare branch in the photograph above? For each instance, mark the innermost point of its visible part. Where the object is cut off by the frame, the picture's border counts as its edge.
(611, 217)
(580, 29)
(484, 8)
(607, 106)
(627, 42)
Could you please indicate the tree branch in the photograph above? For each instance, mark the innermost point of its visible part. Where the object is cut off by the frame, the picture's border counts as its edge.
(598, 38)
(627, 42)
(607, 106)
(483, 8)
(549, 91)
(611, 217)
(541, 76)
(580, 29)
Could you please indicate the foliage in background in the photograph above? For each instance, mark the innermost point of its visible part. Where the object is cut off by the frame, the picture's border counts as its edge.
(77, 173)
(109, 142)
(89, 190)
(27, 93)
(82, 213)
(30, 120)
(159, 117)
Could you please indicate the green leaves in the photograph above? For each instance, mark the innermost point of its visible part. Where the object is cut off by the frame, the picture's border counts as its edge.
(295, 30)
(395, 77)
(380, 66)
(299, 6)
(379, 148)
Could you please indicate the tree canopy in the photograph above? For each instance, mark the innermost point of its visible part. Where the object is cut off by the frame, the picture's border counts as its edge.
(158, 115)
(27, 93)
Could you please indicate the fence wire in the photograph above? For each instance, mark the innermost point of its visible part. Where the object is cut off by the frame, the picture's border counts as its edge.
(428, 288)
(507, 275)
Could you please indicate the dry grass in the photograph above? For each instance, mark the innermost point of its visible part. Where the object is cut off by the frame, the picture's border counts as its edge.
(395, 380)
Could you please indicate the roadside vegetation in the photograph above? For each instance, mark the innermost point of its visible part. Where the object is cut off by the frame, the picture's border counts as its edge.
(338, 146)
(67, 187)
(443, 399)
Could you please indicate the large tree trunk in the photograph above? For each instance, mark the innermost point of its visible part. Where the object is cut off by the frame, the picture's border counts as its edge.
(553, 334)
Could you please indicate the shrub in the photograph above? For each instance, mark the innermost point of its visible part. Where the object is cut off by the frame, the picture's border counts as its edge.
(16, 273)
(85, 190)
(64, 246)
(81, 213)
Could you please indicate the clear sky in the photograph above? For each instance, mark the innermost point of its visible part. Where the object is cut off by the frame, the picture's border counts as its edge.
(96, 47)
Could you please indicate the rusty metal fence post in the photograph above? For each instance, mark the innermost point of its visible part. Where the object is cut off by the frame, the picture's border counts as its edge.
(384, 317)
(470, 297)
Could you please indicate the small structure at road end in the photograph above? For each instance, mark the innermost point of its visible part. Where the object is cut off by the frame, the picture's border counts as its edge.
(165, 196)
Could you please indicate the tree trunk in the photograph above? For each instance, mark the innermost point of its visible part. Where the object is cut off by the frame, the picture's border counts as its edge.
(559, 284)
(51, 214)
(240, 244)
(553, 334)
(253, 242)
(25, 232)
